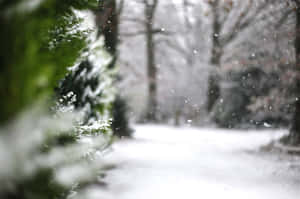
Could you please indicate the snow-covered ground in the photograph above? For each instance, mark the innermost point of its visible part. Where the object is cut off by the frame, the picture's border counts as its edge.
(176, 163)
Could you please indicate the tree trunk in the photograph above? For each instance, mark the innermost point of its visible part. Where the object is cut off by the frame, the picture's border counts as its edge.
(108, 22)
(213, 92)
(151, 114)
(295, 129)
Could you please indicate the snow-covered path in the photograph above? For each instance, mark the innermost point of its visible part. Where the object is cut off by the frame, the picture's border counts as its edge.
(176, 163)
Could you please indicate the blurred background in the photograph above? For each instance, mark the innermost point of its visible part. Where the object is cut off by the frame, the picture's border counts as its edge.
(225, 63)
(77, 76)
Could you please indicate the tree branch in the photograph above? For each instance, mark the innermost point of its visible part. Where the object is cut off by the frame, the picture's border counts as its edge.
(242, 23)
(136, 20)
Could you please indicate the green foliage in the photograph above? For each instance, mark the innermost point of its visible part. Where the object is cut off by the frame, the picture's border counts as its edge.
(78, 84)
(39, 42)
(39, 186)
(91, 84)
(36, 48)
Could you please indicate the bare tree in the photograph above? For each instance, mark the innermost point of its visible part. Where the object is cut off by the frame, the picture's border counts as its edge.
(245, 14)
(148, 30)
(150, 8)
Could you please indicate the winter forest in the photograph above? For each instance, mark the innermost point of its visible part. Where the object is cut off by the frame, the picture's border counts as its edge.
(132, 99)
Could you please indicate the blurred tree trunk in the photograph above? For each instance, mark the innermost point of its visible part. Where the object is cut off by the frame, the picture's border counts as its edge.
(295, 129)
(108, 22)
(150, 9)
(177, 117)
(213, 92)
